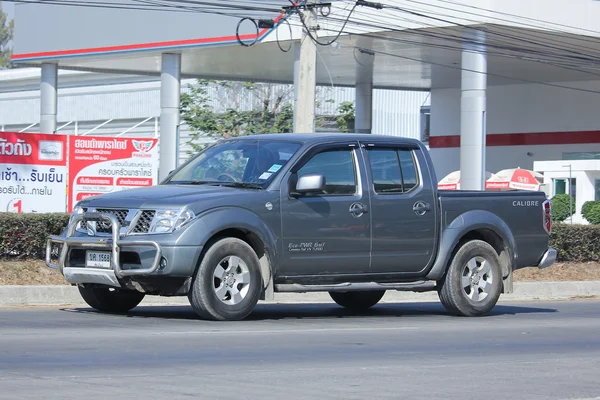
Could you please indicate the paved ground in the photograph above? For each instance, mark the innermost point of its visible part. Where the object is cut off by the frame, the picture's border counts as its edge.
(533, 350)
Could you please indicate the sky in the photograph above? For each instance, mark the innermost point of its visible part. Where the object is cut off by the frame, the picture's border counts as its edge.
(9, 8)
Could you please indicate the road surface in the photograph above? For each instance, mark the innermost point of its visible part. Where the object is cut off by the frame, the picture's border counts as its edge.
(534, 350)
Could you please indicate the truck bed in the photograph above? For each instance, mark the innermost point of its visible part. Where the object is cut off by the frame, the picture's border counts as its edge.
(521, 211)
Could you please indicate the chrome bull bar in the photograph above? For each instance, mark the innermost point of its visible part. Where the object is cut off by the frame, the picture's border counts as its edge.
(108, 243)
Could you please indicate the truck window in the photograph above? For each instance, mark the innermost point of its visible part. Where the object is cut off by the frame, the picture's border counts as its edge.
(409, 169)
(338, 168)
(393, 170)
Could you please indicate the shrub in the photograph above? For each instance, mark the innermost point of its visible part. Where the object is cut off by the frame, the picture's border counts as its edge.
(575, 243)
(23, 236)
(561, 207)
(591, 212)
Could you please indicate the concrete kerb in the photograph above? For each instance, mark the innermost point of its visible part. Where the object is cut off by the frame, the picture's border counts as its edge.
(63, 295)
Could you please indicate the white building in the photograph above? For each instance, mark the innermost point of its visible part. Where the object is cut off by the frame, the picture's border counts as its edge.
(584, 176)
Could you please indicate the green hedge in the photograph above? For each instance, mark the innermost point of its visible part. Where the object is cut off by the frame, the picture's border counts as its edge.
(576, 243)
(23, 236)
(591, 212)
(562, 206)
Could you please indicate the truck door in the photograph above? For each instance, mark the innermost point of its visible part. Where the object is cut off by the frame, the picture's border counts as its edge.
(327, 233)
(403, 208)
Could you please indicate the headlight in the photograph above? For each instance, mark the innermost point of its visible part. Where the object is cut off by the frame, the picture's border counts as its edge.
(77, 210)
(166, 221)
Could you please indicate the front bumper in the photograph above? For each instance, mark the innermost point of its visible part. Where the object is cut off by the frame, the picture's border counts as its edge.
(103, 276)
(548, 259)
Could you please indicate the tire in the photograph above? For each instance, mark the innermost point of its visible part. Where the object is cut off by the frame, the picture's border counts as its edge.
(357, 300)
(228, 282)
(472, 296)
(111, 300)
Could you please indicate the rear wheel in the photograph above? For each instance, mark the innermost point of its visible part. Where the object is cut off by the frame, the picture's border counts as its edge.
(473, 282)
(228, 282)
(357, 300)
(111, 300)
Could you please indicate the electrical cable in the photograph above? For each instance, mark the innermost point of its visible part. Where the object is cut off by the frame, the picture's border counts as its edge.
(237, 32)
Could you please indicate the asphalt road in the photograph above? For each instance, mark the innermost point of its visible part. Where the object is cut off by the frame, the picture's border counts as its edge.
(536, 350)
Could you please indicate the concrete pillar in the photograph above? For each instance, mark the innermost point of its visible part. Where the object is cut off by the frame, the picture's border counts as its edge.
(364, 91)
(297, 48)
(473, 113)
(170, 94)
(305, 76)
(48, 98)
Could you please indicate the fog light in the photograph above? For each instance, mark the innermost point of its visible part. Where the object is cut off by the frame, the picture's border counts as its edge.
(163, 263)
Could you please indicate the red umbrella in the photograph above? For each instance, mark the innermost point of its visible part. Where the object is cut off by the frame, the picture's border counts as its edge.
(515, 178)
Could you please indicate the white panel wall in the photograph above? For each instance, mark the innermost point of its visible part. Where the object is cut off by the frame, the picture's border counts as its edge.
(526, 108)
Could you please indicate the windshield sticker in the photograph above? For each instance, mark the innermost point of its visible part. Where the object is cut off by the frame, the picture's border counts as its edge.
(265, 175)
(274, 168)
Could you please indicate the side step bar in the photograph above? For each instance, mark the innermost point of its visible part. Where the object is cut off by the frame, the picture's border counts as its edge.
(417, 286)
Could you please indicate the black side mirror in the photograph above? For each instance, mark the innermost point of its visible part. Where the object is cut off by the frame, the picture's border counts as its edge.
(310, 183)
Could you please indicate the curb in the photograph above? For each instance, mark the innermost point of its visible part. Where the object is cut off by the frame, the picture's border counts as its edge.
(63, 295)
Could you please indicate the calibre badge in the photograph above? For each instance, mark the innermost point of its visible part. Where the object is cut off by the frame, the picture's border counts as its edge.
(269, 206)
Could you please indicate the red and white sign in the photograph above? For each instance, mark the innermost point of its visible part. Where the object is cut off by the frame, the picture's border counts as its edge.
(515, 178)
(33, 172)
(100, 164)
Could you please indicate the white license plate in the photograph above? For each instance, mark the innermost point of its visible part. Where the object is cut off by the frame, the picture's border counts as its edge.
(97, 259)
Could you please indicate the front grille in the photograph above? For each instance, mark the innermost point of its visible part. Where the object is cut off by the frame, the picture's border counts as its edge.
(144, 221)
(104, 226)
(142, 224)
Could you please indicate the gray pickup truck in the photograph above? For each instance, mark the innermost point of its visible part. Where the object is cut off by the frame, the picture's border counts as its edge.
(353, 215)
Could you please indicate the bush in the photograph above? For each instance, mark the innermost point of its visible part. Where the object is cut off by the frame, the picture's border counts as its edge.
(23, 236)
(576, 243)
(561, 207)
(591, 212)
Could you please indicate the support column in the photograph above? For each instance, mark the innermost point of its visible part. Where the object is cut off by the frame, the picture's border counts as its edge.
(48, 98)
(473, 113)
(364, 91)
(305, 77)
(170, 94)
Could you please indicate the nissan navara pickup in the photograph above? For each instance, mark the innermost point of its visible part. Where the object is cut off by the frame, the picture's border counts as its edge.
(353, 215)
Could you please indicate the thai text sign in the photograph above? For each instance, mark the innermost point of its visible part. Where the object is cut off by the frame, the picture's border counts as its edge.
(33, 172)
(100, 164)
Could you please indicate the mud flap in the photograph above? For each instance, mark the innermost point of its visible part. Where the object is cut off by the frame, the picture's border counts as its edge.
(507, 283)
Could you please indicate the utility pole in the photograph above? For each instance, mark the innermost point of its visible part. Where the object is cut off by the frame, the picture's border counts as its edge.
(305, 75)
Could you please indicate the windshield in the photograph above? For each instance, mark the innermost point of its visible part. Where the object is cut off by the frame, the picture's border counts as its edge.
(252, 163)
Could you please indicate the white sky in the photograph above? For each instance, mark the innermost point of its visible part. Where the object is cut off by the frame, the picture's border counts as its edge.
(9, 8)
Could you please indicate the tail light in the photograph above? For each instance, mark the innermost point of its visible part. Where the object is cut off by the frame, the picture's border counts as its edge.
(547, 206)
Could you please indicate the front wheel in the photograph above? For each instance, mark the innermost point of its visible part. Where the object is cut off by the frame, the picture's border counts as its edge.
(360, 300)
(111, 300)
(473, 282)
(228, 282)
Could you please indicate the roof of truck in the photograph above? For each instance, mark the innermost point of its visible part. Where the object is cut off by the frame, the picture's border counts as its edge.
(325, 137)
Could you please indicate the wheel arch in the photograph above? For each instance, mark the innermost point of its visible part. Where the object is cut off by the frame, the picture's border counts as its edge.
(475, 225)
(241, 224)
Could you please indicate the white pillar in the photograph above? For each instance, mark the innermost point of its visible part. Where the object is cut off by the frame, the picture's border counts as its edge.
(473, 113)
(170, 94)
(305, 76)
(48, 98)
(364, 91)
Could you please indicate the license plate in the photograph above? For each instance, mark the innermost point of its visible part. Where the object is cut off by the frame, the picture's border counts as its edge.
(97, 259)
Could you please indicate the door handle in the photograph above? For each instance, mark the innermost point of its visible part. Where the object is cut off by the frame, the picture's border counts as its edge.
(420, 208)
(357, 209)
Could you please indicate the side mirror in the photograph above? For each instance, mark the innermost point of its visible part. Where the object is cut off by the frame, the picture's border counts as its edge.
(310, 183)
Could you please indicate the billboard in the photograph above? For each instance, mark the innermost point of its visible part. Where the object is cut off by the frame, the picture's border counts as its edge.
(33, 172)
(101, 164)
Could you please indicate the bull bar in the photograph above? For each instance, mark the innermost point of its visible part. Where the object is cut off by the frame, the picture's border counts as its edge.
(108, 243)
